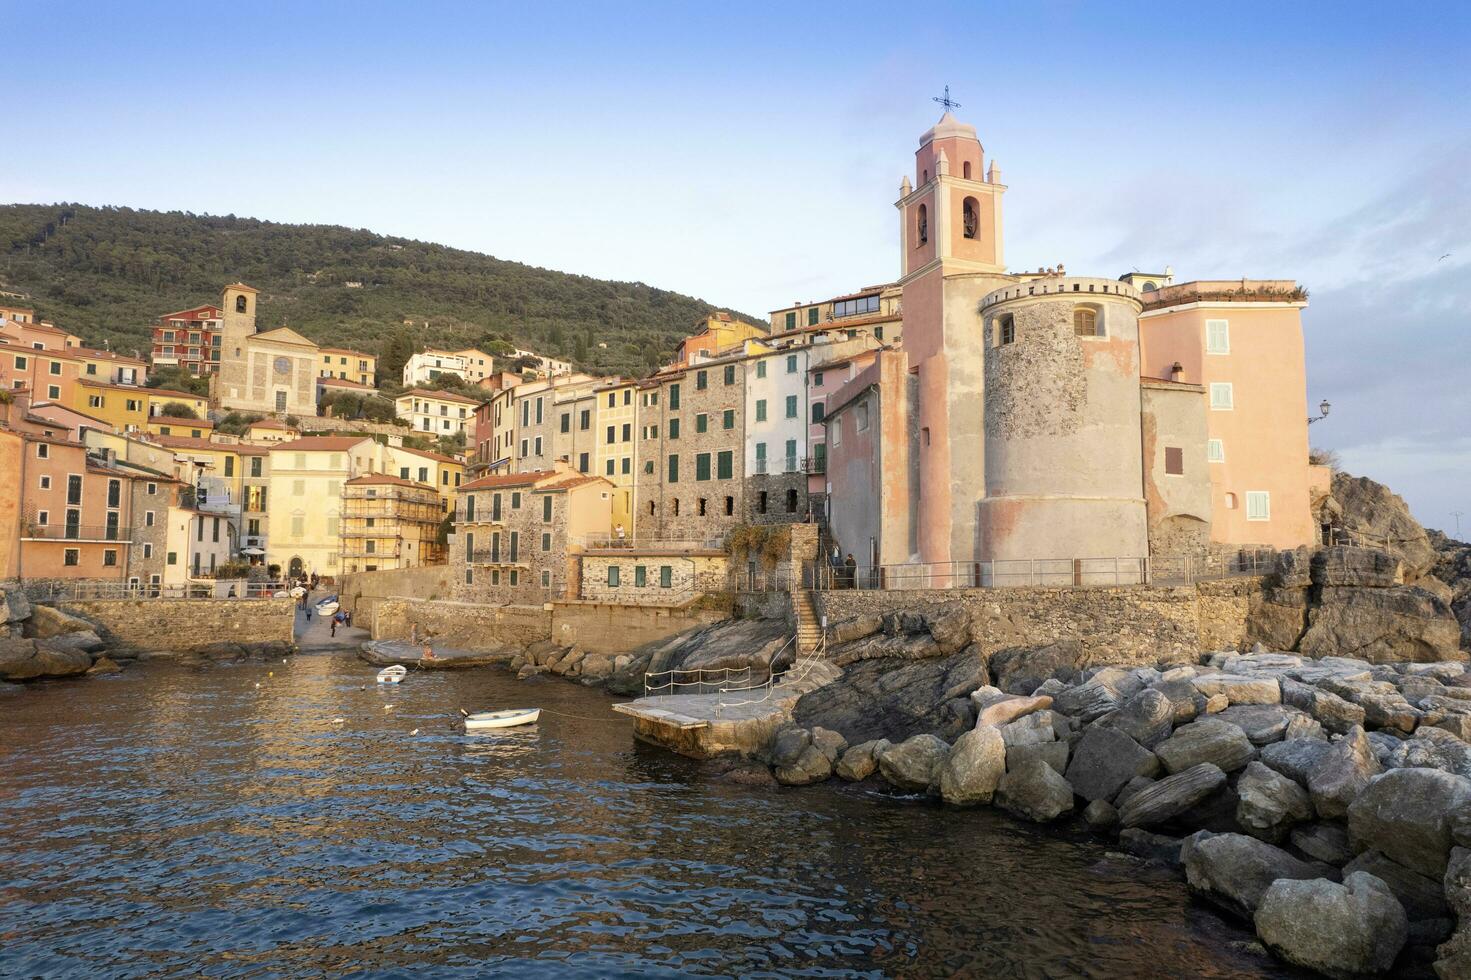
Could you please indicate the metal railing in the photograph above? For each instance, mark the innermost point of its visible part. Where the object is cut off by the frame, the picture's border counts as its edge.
(798, 671)
(709, 680)
(220, 589)
(1036, 572)
(77, 532)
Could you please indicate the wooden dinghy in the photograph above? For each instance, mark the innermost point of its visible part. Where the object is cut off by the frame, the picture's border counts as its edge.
(509, 718)
(393, 675)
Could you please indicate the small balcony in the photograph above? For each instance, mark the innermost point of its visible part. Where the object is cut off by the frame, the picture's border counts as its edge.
(76, 532)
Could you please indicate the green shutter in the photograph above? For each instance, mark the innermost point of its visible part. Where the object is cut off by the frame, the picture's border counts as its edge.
(702, 466)
(702, 422)
(723, 463)
(728, 420)
(673, 468)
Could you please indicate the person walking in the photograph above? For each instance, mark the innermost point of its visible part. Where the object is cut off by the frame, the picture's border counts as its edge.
(335, 620)
(850, 571)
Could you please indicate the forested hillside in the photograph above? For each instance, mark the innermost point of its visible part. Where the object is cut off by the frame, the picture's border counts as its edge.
(106, 273)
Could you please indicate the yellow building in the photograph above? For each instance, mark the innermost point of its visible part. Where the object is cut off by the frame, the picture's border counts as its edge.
(478, 364)
(270, 431)
(167, 425)
(443, 473)
(715, 333)
(214, 469)
(126, 405)
(348, 365)
(388, 522)
(615, 446)
(306, 477)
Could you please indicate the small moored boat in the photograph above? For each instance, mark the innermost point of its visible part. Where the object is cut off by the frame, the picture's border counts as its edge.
(509, 718)
(393, 675)
(327, 606)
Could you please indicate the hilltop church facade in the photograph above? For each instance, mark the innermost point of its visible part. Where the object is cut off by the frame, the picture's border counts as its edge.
(271, 372)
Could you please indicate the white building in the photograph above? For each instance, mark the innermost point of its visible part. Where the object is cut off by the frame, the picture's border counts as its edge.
(776, 411)
(438, 413)
(425, 367)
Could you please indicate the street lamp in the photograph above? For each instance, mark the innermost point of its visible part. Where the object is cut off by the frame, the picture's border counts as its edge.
(1323, 408)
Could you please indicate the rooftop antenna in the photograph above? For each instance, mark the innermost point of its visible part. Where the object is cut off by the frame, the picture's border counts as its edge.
(946, 101)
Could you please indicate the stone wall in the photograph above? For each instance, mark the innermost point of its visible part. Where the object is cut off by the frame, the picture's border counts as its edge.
(360, 592)
(600, 627)
(689, 573)
(184, 624)
(461, 625)
(595, 627)
(1134, 625)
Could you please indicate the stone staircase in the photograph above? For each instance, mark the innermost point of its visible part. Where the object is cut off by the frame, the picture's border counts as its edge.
(809, 621)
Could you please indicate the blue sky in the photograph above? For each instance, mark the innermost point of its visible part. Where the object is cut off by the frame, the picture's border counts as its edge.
(750, 154)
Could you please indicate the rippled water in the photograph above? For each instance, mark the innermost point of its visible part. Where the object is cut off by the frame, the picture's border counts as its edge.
(166, 821)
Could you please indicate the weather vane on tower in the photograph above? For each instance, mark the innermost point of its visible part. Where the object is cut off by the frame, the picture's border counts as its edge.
(946, 101)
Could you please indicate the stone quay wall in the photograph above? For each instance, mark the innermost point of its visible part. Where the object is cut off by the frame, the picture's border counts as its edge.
(361, 592)
(177, 625)
(1125, 625)
(595, 627)
(461, 625)
(603, 627)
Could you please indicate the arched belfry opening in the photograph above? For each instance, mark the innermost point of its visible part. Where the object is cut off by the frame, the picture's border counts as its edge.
(970, 215)
(924, 224)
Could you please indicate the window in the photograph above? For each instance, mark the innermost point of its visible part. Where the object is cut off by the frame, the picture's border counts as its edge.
(819, 412)
(817, 379)
(147, 550)
(1258, 505)
(546, 510)
(53, 392)
(55, 367)
(673, 469)
(584, 419)
(673, 397)
(515, 576)
(924, 224)
(582, 462)
(1217, 337)
(702, 422)
(792, 320)
(566, 421)
(1087, 322)
(761, 502)
(702, 380)
(43, 451)
(546, 541)
(74, 489)
(515, 544)
(674, 428)
(45, 483)
(20, 363)
(1174, 461)
(730, 374)
(515, 500)
(613, 576)
(862, 416)
(173, 558)
(761, 410)
(791, 465)
(1005, 329)
(760, 369)
(626, 466)
(495, 507)
(702, 467)
(627, 431)
(71, 557)
(666, 576)
(727, 419)
(1221, 396)
(1215, 451)
(812, 317)
(1230, 501)
(724, 461)
(255, 466)
(239, 304)
(611, 465)
(700, 509)
(791, 406)
(546, 579)
(148, 518)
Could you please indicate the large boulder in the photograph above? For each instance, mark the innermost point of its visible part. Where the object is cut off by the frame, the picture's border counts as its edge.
(1341, 773)
(897, 698)
(1382, 626)
(1104, 761)
(974, 768)
(1240, 688)
(1156, 803)
(812, 766)
(1366, 567)
(949, 625)
(1234, 870)
(1406, 814)
(860, 761)
(15, 606)
(1034, 791)
(1354, 929)
(1220, 743)
(1269, 803)
(1021, 670)
(48, 621)
(915, 763)
(1455, 956)
(1421, 896)
(1000, 709)
(1148, 718)
(1262, 723)
(25, 660)
(1296, 758)
(1375, 514)
(1086, 702)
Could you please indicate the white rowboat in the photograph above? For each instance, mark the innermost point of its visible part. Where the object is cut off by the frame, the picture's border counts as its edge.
(393, 675)
(501, 719)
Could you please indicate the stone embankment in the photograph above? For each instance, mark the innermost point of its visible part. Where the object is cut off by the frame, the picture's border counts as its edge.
(38, 641)
(1326, 801)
